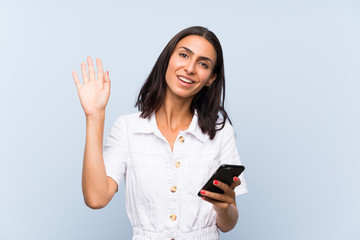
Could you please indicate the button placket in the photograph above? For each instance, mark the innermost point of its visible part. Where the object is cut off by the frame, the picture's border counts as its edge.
(173, 207)
(172, 196)
(177, 164)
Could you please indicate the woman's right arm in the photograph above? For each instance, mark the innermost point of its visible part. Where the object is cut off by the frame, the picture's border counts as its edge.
(98, 189)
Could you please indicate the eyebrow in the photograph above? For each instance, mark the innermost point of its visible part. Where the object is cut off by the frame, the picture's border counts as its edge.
(201, 57)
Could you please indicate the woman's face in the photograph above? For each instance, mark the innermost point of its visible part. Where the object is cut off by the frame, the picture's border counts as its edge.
(190, 67)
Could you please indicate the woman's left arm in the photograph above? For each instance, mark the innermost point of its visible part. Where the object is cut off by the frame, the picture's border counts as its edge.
(224, 204)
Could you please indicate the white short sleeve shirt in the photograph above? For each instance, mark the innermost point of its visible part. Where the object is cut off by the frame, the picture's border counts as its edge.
(161, 186)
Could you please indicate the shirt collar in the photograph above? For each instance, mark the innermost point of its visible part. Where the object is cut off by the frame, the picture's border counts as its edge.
(145, 126)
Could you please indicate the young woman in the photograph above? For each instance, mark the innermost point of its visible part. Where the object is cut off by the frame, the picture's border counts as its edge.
(167, 151)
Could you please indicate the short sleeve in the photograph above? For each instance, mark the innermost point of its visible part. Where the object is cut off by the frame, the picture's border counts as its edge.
(116, 151)
(230, 155)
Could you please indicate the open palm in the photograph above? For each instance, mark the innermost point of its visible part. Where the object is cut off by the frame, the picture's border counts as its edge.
(94, 93)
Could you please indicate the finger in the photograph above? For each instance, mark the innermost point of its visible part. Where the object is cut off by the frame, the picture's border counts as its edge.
(76, 80)
(236, 182)
(217, 196)
(92, 76)
(84, 73)
(107, 81)
(221, 185)
(216, 203)
(100, 72)
(210, 200)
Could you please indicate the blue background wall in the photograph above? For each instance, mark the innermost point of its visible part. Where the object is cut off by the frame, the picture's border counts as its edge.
(292, 71)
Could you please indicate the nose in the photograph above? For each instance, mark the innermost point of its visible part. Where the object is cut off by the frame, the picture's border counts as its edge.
(190, 67)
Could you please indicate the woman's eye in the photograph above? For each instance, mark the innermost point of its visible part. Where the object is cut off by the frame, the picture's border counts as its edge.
(204, 65)
(183, 55)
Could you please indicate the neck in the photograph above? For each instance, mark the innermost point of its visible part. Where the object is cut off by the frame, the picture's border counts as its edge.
(175, 113)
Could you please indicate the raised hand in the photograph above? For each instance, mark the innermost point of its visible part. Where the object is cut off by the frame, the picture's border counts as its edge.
(94, 92)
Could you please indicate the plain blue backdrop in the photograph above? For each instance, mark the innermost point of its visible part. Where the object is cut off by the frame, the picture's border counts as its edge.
(292, 72)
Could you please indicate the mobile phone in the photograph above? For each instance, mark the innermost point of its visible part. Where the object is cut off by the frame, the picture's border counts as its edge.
(225, 173)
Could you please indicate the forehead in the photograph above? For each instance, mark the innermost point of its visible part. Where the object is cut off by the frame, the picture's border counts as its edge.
(198, 45)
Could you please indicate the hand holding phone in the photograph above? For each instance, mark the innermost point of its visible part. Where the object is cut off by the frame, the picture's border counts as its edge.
(225, 173)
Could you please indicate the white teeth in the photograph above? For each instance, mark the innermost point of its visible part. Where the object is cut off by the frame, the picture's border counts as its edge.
(185, 80)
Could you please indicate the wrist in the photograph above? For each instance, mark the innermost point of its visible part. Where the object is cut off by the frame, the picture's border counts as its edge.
(221, 211)
(97, 116)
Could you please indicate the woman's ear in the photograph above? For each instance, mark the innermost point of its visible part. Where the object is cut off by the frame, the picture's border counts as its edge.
(211, 80)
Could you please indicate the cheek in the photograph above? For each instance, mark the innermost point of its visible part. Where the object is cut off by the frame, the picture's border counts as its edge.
(174, 63)
(168, 73)
(205, 76)
(170, 67)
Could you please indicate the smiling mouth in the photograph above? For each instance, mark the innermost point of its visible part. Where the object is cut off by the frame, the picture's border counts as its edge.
(186, 80)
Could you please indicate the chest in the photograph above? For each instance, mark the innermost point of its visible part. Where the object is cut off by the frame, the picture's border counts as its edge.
(171, 136)
(158, 179)
(157, 171)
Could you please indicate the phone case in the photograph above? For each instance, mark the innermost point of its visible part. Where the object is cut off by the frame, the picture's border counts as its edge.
(225, 173)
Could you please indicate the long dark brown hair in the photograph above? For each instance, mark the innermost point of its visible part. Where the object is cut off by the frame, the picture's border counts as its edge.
(208, 102)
